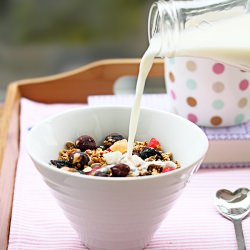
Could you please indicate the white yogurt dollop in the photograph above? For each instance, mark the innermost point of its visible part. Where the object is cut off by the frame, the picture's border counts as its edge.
(136, 163)
(113, 157)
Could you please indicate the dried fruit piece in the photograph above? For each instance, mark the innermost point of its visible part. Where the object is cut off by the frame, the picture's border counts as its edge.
(167, 169)
(120, 170)
(60, 163)
(111, 139)
(85, 142)
(121, 146)
(148, 152)
(154, 143)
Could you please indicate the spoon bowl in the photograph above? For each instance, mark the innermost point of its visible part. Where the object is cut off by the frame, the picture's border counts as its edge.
(234, 206)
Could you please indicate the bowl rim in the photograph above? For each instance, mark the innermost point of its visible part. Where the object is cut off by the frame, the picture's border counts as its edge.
(49, 167)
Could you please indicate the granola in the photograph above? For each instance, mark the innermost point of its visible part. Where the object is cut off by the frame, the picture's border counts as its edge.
(85, 157)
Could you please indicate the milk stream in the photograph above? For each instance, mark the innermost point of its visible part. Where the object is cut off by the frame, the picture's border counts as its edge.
(145, 66)
(232, 49)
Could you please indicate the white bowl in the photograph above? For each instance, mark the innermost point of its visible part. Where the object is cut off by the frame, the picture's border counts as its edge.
(116, 212)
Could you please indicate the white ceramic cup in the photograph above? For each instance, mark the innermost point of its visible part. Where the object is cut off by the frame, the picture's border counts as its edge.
(111, 213)
(206, 92)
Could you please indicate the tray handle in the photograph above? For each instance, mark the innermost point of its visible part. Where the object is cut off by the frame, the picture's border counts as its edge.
(75, 86)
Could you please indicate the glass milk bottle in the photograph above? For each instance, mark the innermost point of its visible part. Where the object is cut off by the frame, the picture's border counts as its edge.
(216, 29)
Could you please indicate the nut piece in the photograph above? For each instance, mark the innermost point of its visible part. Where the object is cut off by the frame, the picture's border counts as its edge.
(120, 170)
(87, 169)
(69, 145)
(154, 169)
(79, 160)
(85, 142)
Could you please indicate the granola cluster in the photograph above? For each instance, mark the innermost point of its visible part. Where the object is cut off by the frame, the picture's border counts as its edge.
(84, 156)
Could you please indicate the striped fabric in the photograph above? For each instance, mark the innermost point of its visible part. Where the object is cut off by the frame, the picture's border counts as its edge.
(193, 223)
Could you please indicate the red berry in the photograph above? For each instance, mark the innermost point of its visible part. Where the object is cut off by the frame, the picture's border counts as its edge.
(154, 143)
(167, 169)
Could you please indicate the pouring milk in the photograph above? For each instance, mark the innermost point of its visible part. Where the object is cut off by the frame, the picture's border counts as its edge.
(234, 51)
(145, 66)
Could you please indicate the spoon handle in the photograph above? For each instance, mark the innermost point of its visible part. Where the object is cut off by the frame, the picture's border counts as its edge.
(239, 235)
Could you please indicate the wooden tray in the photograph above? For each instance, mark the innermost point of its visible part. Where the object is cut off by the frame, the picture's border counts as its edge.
(72, 87)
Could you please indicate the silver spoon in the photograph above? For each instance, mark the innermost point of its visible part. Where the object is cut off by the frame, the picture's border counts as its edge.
(234, 206)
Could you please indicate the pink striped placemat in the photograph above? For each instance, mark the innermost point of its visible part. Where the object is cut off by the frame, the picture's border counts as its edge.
(38, 223)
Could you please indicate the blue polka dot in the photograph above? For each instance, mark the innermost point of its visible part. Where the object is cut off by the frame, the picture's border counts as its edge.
(171, 61)
(191, 84)
(218, 104)
(239, 119)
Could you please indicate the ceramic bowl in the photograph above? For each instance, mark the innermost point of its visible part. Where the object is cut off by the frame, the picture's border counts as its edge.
(207, 92)
(116, 212)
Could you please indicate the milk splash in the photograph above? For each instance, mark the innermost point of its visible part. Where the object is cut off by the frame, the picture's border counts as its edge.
(145, 66)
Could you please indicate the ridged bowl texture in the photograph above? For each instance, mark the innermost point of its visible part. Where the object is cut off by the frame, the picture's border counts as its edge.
(116, 213)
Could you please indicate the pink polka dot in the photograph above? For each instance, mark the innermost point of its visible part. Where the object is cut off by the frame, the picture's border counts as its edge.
(173, 94)
(244, 84)
(218, 68)
(193, 118)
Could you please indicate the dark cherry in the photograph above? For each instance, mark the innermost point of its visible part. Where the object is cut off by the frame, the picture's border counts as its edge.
(85, 142)
(120, 170)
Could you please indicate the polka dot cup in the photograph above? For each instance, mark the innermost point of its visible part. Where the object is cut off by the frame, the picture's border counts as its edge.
(206, 92)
